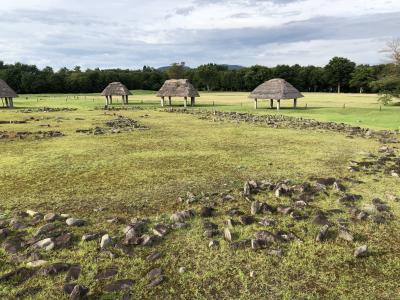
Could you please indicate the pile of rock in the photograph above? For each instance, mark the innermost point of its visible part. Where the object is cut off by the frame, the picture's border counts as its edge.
(48, 109)
(117, 125)
(282, 121)
(22, 135)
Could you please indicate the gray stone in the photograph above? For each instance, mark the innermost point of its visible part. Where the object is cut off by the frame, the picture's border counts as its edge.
(153, 256)
(182, 215)
(90, 237)
(79, 292)
(46, 244)
(322, 234)
(56, 268)
(160, 230)
(259, 244)
(63, 240)
(148, 240)
(209, 233)
(118, 285)
(73, 273)
(154, 273)
(206, 212)
(247, 220)
(255, 207)
(267, 222)
(156, 282)
(75, 222)
(50, 217)
(213, 244)
(227, 235)
(265, 236)
(32, 213)
(106, 241)
(182, 270)
(361, 251)
(106, 273)
(45, 229)
(346, 235)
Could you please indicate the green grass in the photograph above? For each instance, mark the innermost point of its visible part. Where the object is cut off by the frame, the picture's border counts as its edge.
(356, 109)
(142, 174)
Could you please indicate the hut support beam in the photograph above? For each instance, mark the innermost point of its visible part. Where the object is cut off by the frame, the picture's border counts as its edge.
(271, 103)
(162, 101)
(169, 101)
(11, 102)
(295, 103)
(110, 100)
(278, 106)
(127, 99)
(185, 102)
(2, 102)
(192, 101)
(255, 103)
(7, 102)
(106, 100)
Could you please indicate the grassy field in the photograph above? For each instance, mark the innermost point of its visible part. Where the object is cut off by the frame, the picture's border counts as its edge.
(356, 109)
(143, 173)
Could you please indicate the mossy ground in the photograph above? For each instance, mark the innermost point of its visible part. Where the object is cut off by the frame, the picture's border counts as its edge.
(142, 174)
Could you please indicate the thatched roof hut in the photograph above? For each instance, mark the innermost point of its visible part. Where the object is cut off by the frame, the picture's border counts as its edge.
(276, 89)
(178, 88)
(7, 93)
(116, 89)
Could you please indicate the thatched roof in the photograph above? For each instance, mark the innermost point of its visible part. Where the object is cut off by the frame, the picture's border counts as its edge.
(116, 89)
(178, 88)
(6, 91)
(276, 89)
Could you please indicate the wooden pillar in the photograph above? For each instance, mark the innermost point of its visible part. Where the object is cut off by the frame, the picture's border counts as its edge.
(185, 102)
(110, 100)
(7, 105)
(192, 101)
(11, 100)
(126, 99)
(162, 101)
(2, 101)
(278, 107)
(106, 100)
(271, 103)
(295, 103)
(255, 103)
(169, 101)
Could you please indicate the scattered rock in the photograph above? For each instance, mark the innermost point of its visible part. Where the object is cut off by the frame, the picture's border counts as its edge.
(153, 256)
(79, 292)
(213, 244)
(75, 222)
(259, 244)
(182, 215)
(73, 273)
(50, 217)
(256, 207)
(322, 234)
(361, 251)
(160, 230)
(209, 233)
(45, 229)
(37, 263)
(46, 244)
(19, 275)
(346, 235)
(106, 273)
(206, 212)
(154, 273)
(182, 270)
(118, 285)
(242, 244)
(247, 220)
(29, 291)
(227, 235)
(54, 269)
(32, 213)
(266, 222)
(90, 237)
(106, 241)
(12, 245)
(321, 219)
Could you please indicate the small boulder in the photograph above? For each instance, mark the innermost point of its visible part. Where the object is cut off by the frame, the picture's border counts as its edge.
(322, 234)
(118, 285)
(206, 212)
(46, 244)
(75, 222)
(227, 235)
(361, 251)
(50, 217)
(247, 220)
(213, 244)
(160, 230)
(105, 242)
(79, 292)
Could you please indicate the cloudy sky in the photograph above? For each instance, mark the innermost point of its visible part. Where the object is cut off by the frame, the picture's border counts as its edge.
(133, 33)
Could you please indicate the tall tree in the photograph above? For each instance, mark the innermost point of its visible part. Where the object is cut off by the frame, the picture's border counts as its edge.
(362, 76)
(339, 71)
(176, 70)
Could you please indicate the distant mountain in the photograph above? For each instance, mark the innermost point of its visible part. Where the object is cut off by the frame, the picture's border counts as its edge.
(233, 67)
(230, 67)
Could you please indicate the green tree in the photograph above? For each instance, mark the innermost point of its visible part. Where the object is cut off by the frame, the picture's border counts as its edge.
(362, 76)
(176, 70)
(339, 71)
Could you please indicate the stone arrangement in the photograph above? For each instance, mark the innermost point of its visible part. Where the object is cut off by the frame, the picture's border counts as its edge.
(282, 121)
(117, 125)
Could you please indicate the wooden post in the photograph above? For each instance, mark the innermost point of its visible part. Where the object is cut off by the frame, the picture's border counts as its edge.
(106, 100)
(193, 101)
(295, 103)
(2, 102)
(127, 99)
(255, 103)
(110, 100)
(169, 100)
(162, 101)
(185, 102)
(12, 103)
(278, 107)
(271, 103)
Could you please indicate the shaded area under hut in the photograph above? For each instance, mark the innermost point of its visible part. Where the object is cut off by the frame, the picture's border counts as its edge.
(7, 94)
(116, 89)
(275, 89)
(178, 88)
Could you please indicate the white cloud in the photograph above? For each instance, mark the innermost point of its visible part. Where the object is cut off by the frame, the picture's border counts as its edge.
(124, 33)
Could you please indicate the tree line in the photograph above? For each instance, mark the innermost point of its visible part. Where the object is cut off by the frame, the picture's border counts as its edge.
(339, 75)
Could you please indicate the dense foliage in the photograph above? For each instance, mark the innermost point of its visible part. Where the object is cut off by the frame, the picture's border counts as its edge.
(339, 74)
